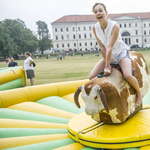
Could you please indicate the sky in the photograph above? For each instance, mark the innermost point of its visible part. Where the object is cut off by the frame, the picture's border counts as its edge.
(31, 11)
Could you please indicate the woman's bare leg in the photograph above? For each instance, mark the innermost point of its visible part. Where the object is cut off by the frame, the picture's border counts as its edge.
(32, 81)
(125, 65)
(96, 70)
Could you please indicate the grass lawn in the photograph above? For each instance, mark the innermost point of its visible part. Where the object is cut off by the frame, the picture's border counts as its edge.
(71, 68)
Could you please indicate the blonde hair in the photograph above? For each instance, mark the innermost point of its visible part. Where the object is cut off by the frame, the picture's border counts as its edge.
(99, 4)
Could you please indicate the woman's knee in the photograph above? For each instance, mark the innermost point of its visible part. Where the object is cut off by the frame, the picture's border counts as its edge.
(127, 76)
(91, 77)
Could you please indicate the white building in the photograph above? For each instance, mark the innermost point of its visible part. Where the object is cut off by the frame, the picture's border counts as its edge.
(75, 31)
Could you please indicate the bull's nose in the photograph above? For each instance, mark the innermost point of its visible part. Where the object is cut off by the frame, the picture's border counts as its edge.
(89, 111)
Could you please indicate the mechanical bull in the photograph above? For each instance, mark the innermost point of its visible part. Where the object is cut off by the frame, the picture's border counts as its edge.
(111, 99)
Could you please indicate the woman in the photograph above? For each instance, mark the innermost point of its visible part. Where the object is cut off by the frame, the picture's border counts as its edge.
(114, 50)
(28, 66)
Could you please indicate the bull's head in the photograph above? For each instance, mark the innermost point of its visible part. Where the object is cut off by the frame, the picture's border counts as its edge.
(94, 102)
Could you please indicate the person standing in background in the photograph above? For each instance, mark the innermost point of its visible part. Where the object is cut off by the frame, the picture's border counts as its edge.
(28, 66)
(12, 63)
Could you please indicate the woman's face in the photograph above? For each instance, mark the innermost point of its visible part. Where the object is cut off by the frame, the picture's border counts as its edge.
(25, 55)
(100, 13)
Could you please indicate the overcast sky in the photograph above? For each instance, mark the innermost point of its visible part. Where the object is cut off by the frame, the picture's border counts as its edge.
(30, 11)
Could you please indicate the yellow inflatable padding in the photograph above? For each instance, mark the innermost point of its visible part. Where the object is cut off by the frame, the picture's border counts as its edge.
(66, 88)
(41, 91)
(145, 148)
(12, 75)
(0, 103)
(74, 146)
(14, 123)
(42, 109)
(134, 132)
(34, 93)
(11, 97)
(79, 123)
(70, 97)
(26, 140)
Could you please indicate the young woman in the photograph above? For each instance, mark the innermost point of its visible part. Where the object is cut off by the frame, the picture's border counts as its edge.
(114, 50)
(28, 66)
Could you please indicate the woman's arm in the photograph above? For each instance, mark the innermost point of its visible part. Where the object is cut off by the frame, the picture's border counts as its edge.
(114, 36)
(31, 62)
(102, 47)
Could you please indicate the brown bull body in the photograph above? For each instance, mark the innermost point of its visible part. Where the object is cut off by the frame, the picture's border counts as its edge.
(120, 97)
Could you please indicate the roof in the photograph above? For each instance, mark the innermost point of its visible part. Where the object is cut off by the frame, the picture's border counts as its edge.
(87, 18)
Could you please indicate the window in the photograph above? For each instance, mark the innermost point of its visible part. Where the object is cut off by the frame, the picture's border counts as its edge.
(62, 37)
(67, 36)
(55, 29)
(68, 45)
(61, 29)
(73, 29)
(62, 45)
(137, 40)
(144, 32)
(85, 44)
(90, 35)
(129, 24)
(91, 43)
(135, 24)
(125, 25)
(56, 37)
(57, 45)
(78, 28)
(80, 44)
(79, 36)
(86, 49)
(126, 40)
(129, 41)
(120, 25)
(74, 36)
(136, 32)
(84, 28)
(85, 36)
(149, 32)
(125, 33)
(74, 44)
(67, 29)
(149, 24)
(144, 25)
(96, 43)
(145, 40)
(89, 27)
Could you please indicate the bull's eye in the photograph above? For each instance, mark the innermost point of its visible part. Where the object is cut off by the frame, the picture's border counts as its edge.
(95, 97)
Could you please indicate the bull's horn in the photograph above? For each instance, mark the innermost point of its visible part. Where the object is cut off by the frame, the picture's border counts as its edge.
(76, 95)
(103, 99)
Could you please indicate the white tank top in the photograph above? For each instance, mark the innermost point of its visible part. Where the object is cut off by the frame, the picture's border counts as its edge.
(105, 36)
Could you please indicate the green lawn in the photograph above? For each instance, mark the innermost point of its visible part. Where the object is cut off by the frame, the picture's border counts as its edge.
(68, 69)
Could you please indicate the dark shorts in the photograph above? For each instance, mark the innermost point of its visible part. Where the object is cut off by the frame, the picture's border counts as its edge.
(30, 74)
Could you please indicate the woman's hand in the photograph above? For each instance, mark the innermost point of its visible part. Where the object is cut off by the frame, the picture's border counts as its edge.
(107, 71)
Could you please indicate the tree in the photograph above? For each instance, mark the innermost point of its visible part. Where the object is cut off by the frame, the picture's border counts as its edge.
(19, 37)
(7, 45)
(44, 36)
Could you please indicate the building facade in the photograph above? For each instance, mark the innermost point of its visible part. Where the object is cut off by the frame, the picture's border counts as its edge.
(75, 31)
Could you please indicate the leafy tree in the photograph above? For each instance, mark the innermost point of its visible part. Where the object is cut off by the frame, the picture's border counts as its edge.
(7, 45)
(44, 36)
(19, 38)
